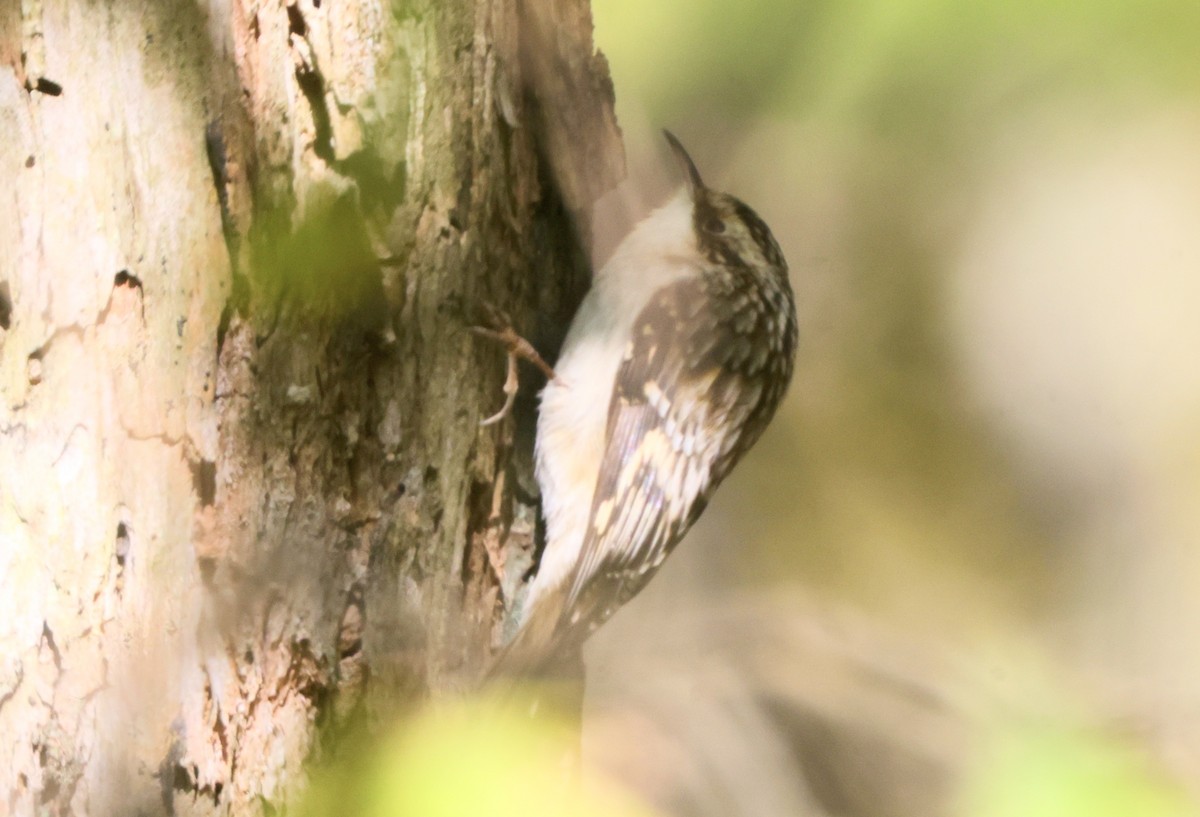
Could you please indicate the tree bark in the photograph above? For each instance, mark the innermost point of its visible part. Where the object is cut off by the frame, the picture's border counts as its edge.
(241, 475)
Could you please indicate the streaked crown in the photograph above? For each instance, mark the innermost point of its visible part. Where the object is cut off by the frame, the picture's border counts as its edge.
(728, 231)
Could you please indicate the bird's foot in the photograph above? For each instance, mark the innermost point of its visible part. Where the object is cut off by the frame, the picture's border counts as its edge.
(501, 331)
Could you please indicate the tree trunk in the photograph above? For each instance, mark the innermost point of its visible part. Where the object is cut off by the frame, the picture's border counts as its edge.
(241, 473)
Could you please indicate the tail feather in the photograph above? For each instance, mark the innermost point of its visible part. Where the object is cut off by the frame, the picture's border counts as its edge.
(539, 649)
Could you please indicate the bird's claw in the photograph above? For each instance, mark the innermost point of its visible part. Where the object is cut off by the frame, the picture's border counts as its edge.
(511, 384)
(516, 347)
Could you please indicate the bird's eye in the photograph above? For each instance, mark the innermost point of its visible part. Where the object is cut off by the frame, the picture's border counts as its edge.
(714, 225)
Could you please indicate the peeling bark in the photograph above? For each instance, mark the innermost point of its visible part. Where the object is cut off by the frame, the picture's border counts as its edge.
(241, 477)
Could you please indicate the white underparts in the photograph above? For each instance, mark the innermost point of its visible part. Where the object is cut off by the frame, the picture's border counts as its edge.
(573, 418)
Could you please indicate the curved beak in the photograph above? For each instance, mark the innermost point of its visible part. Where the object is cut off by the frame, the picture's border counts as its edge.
(694, 182)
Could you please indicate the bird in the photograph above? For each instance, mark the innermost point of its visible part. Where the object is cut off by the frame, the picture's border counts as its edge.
(672, 367)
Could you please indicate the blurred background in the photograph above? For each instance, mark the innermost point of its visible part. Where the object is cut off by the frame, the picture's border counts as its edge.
(961, 572)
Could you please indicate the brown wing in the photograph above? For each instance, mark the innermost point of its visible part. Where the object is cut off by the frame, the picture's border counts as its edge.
(709, 360)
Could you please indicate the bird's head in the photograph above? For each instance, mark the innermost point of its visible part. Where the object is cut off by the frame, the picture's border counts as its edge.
(727, 231)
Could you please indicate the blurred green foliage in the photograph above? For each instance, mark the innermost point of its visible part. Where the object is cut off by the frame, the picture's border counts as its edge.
(322, 269)
(1053, 771)
(872, 58)
(481, 757)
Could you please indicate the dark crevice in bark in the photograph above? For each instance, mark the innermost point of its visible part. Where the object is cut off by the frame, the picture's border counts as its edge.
(313, 85)
(44, 86)
(125, 278)
(6, 306)
(296, 24)
(122, 544)
(173, 776)
(216, 151)
(204, 481)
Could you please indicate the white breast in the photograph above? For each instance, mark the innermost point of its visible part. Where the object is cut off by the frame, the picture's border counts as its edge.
(574, 406)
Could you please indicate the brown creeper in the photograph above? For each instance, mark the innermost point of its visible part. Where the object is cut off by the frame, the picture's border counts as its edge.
(671, 369)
